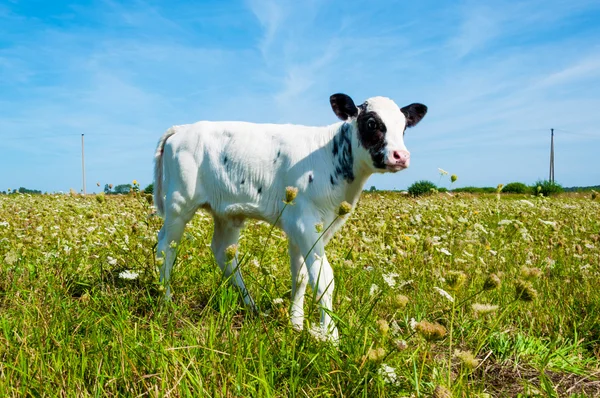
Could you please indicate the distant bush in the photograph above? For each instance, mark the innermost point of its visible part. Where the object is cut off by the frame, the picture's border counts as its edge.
(442, 189)
(422, 187)
(475, 190)
(547, 188)
(516, 187)
(149, 189)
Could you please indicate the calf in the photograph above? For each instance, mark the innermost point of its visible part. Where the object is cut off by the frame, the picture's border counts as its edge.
(238, 170)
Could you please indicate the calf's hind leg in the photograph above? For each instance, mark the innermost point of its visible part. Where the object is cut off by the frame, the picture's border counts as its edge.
(177, 215)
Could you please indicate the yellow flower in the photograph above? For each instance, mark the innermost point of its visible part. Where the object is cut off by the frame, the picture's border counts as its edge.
(135, 182)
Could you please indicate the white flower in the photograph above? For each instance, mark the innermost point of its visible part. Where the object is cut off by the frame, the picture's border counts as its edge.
(527, 202)
(390, 279)
(481, 228)
(506, 222)
(551, 223)
(462, 220)
(590, 246)
(444, 250)
(278, 300)
(444, 293)
(111, 261)
(374, 290)
(388, 374)
(413, 324)
(442, 171)
(128, 275)
(318, 333)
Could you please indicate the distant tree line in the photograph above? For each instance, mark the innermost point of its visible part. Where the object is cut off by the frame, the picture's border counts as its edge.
(22, 190)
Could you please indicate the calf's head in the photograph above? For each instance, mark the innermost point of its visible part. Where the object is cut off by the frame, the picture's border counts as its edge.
(380, 126)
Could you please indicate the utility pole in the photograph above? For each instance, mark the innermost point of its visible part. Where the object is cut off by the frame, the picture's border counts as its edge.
(551, 178)
(83, 163)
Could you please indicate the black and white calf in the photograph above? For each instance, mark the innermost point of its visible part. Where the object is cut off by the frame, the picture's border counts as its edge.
(238, 170)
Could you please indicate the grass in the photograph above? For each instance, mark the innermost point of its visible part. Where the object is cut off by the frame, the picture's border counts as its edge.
(71, 326)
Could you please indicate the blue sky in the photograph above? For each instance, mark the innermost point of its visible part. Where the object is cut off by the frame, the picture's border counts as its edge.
(496, 76)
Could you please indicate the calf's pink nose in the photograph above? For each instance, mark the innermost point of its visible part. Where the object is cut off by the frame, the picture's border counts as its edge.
(400, 157)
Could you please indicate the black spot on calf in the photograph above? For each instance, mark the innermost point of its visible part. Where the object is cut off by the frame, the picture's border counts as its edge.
(342, 153)
(310, 178)
(259, 190)
(225, 160)
(333, 182)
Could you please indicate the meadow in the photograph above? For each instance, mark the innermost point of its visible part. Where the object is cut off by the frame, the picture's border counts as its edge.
(446, 295)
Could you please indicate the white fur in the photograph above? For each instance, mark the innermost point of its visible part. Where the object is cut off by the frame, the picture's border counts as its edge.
(196, 175)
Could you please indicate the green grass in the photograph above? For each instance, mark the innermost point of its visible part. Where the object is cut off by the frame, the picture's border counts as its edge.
(70, 326)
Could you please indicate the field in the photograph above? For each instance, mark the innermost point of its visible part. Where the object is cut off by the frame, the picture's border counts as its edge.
(446, 295)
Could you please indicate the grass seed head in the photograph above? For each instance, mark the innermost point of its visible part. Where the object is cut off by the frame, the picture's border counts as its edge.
(530, 272)
(376, 354)
(290, 194)
(524, 291)
(467, 359)
(230, 252)
(345, 208)
(455, 279)
(441, 392)
(383, 326)
(453, 178)
(484, 309)
(400, 301)
(492, 282)
(430, 331)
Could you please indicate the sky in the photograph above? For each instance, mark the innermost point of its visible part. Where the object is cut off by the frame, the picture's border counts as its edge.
(495, 75)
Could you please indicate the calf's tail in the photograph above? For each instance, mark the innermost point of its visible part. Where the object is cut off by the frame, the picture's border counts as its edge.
(159, 200)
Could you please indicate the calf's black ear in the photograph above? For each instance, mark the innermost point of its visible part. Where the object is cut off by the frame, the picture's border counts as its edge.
(414, 113)
(343, 106)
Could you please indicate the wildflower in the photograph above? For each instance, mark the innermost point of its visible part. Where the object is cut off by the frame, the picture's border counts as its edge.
(345, 208)
(413, 324)
(131, 275)
(111, 261)
(318, 333)
(390, 279)
(455, 279)
(383, 326)
(230, 252)
(319, 227)
(483, 309)
(278, 300)
(400, 300)
(492, 282)
(525, 291)
(445, 251)
(530, 273)
(4, 224)
(375, 354)
(467, 359)
(453, 178)
(442, 171)
(135, 182)
(430, 331)
(499, 188)
(374, 290)
(444, 294)
(550, 223)
(388, 374)
(441, 392)
(290, 194)
(401, 345)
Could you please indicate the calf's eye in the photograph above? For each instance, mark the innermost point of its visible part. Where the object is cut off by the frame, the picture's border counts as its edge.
(371, 124)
